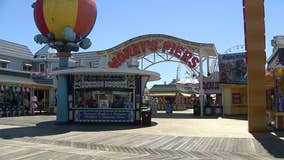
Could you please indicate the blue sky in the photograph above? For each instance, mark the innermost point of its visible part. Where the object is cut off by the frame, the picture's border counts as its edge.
(219, 22)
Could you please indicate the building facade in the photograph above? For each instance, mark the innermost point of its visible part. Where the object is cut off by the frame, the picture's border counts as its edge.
(19, 80)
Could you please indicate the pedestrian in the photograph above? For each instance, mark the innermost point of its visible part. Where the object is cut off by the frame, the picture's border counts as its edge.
(34, 104)
(169, 108)
(26, 105)
(155, 105)
(152, 106)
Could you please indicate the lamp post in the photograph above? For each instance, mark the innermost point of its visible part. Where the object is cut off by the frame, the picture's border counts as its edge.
(201, 90)
(64, 25)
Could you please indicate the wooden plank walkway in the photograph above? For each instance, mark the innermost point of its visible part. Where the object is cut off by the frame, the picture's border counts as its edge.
(168, 147)
(20, 139)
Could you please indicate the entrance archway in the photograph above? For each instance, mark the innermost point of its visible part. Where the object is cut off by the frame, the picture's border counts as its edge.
(165, 47)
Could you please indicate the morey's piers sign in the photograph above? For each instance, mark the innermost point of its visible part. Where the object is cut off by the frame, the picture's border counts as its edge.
(183, 50)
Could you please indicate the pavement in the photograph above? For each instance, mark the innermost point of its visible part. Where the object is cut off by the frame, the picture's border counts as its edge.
(177, 136)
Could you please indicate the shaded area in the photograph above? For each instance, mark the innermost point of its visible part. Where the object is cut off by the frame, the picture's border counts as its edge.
(273, 142)
(238, 117)
(189, 115)
(52, 128)
(181, 116)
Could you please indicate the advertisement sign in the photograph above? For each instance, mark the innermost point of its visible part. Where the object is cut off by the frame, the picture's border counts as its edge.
(233, 68)
(103, 116)
(236, 98)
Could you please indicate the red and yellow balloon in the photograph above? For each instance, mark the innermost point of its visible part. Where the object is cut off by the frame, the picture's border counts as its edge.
(52, 16)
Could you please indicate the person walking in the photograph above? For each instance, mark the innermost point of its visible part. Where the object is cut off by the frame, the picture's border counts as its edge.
(34, 104)
(169, 108)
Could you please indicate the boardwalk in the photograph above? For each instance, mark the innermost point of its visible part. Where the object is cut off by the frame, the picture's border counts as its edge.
(169, 138)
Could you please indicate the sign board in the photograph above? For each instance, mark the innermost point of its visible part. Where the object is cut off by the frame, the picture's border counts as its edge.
(101, 115)
(236, 98)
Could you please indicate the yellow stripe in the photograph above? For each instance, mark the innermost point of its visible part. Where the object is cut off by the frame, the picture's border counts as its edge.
(59, 14)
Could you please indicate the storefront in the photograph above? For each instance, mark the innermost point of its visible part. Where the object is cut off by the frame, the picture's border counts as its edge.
(275, 97)
(213, 92)
(270, 98)
(233, 80)
(235, 99)
(106, 94)
(16, 92)
(181, 96)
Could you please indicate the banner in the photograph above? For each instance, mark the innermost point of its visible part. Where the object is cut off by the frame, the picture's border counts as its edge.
(233, 68)
(100, 115)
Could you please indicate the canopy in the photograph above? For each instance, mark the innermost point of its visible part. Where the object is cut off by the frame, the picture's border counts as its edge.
(107, 71)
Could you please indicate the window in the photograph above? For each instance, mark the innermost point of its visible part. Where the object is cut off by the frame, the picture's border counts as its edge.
(42, 56)
(93, 98)
(3, 65)
(27, 67)
(41, 67)
(54, 66)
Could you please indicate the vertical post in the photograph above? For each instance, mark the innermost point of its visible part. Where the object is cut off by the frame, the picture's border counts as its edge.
(201, 90)
(255, 46)
(62, 90)
(208, 65)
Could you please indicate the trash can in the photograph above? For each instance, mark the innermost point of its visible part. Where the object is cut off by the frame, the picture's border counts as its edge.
(208, 111)
(146, 116)
(219, 111)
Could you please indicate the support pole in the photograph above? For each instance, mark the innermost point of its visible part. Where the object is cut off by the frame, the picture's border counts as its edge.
(201, 90)
(62, 90)
(208, 65)
(255, 47)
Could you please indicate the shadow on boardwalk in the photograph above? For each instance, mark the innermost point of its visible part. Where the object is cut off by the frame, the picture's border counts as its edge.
(51, 128)
(192, 116)
(273, 142)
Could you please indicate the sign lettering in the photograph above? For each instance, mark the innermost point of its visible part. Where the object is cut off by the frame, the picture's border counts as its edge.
(170, 47)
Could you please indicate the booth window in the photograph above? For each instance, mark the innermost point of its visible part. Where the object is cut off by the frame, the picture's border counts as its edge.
(103, 99)
(102, 92)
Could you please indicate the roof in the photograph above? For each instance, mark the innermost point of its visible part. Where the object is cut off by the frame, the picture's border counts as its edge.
(45, 50)
(15, 50)
(188, 80)
(167, 88)
(207, 49)
(107, 71)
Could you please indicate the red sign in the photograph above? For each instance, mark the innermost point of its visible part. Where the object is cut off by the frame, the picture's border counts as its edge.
(145, 46)
(236, 98)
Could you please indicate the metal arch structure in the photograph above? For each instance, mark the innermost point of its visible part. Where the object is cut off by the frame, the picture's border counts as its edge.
(146, 61)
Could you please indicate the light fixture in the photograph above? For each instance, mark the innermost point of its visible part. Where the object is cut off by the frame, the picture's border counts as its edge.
(278, 71)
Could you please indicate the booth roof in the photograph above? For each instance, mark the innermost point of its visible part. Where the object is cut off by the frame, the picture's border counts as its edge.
(154, 76)
(172, 88)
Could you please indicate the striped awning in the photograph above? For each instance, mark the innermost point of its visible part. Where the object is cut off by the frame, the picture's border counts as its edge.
(4, 60)
(186, 94)
(23, 81)
(161, 94)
